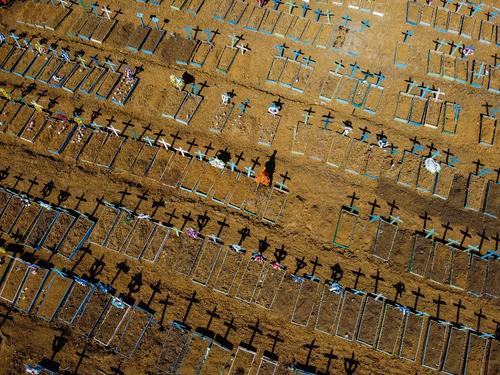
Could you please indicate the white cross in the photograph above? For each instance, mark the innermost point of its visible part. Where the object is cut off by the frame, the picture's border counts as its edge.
(243, 48)
(182, 151)
(81, 60)
(114, 130)
(106, 11)
(460, 5)
(37, 106)
(438, 93)
(164, 144)
(213, 238)
(63, 3)
(143, 216)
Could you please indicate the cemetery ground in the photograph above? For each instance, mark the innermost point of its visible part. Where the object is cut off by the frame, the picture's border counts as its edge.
(135, 238)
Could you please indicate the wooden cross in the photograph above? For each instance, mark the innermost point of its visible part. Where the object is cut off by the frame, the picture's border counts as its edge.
(374, 205)
(459, 307)
(400, 288)
(310, 347)
(187, 218)
(446, 228)
(425, 218)
(18, 179)
(466, 234)
(483, 237)
(358, 274)
(32, 182)
(353, 198)
(171, 216)
(155, 289)
(222, 225)
(438, 303)
(417, 295)
(299, 264)
(377, 278)
(160, 203)
(141, 197)
(192, 300)
(123, 194)
(315, 264)
(480, 316)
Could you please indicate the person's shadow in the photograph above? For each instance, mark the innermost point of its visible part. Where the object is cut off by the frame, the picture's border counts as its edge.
(270, 165)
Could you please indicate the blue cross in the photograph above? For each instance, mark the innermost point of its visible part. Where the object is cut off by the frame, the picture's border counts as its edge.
(305, 8)
(407, 35)
(155, 21)
(2, 38)
(429, 233)
(318, 13)
(476, 9)
(364, 25)
(281, 49)
(52, 50)
(346, 19)
(94, 8)
(189, 31)
(65, 55)
(425, 91)
(484, 171)
(490, 254)
(308, 60)
(296, 54)
(374, 218)
(110, 65)
(249, 171)
(457, 109)
(380, 78)
(395, 219)
(355, 67)
(435, 154)
(232, 165)
(338, 66)
(16, 38)
(453, 243)
(243, 105)
(196, 89)
(200, 154)
(277, 3)
(95, 60)
(453, 160)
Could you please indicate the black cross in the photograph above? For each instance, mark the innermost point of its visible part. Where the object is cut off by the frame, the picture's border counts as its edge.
(330, 357)
(377, 278)
(280, 254)
(155, 289)
(175, 137)
(353, 198)
(483, 237)
(299, 264)
(498, 175)
(110, 121)
(81, 356)
(337, 272)
(255, 330)
(141, 197)
(478, 165)
(187, 218)
(309, 112)
(255, 163)
(32, 182)
(145, 129)
(121, 62)
(123, 193)
(425, 218)
(350, 364)
(63, 196)
(196, 30)
(18, 179)
(230, 327)
(191, 144)
(459, 307)
(244, 233)
(99, 201)
(276, 339)
(480, 316)
(78, 111)
(4, 173)
(208, 148)
(431, 148)
(414, 142)
(393, 207)
(128, 124)
(310, 347)
(497, 241)
(358, 274)
(285, 177)
(315, 264)
(202, 221)
(452, 45)
(120, 267)
(496, 57)
(263, 244)
(417, 295)
(213, 315)
(95, 115)
(466, 234)
(117, 12)
(191, 300)
(446, 228)
(374, 206)
(400, 288)
(222, 224)
(365, 130)
(239, 157)
(156, 205)
(47, 189)
(487, 107)
(438, 303)
(171, 216)
(80, 199)
(165, 302)
(158, 134)
(448, 154)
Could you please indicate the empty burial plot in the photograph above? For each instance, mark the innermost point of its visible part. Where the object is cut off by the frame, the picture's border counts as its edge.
(52, 295)
(370, 320)
(242, 361)
(208, 258)
(182, 249)
(440, 268)
(476, 351)
(421, 257)
(269, 287)
(229, 269)
(13, 280)
(192, 361)
(110, 321)
(75, 301)
(384, 240)
(349, 315)
(108, 214)
(252, 275)
(328, 309)
(393, 320)
(92, 311)
(455, 350)
(434, 344)
(410, 338)
(346, 227)
(41, 227)
(31, 287)
(175, 347)
(305, 302)
(131, 331)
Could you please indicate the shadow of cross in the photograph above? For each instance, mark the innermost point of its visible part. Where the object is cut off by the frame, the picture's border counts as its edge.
(135, 284)
(255, 330)
(192, 300)
(350, 364)
(310, 348)
(47, 189)
(165, 302)
(120, 267)
(206, 331)
(223, 339)
(330, 357)
(155, 289)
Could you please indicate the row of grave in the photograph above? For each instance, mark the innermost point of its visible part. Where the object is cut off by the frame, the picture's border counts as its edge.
(445, 20)
(93, 310)
(475, 73)
(206, 177)
(59, 71)
(361, 157)
(446, 262)
(42, 16)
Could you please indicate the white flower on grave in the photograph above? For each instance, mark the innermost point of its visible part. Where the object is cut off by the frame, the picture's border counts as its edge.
(217, 163)
(432, 166)
(178, 82)
(226, 98)
(274, 108)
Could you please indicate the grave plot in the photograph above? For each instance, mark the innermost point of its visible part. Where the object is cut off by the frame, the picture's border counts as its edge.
(244, 190)
(390, 329)
(440, 266)
(268, 129)
(242, 361)
(13, 58)
(340, 38)
(107, 84)
(11, 212)
(92, 312)
(230, 265)
(235, 11)
(475, 354)
(73, 82)
(75, 301)
(384, 239)
(24, 222)
(410, 338)
(323, 37)
(121, 230)
(358, 155)
(487, 130)
(195, 170)
(153, 40)
(330, 86)
(494, 77)
(441, 19)
(417, 111)
(110, 321)
(286, 295)
(183, 250)
(408, 173)
(349, 315)
(192, 362)
(300, 138)
(468, 26)
(5, 51)
(52, 295)
(449, 68)
(92, 79)
(131, 331)
(328, 308)
(24, 62)
(154, 246)
(269, 21)
(217, 360)
(9, 113)
(360, 93)
(373, 98)
(370, 319)
(253, 274)
(275, 206)
(346, 227)
(34, 127)
(426, 181)
(401, 54)
(492, 284)
(339, 150)
(255, 18)
(459, 268)
(88, 28)
(403, 107)
(57, 232)
(176, 169)
(19, 120)
(110, 147)
(123, 89)
(268, 286)
(13, 280)
(267, 366)
(55, 17)
(75, 140)
(175, 347)
(493, 365)
(487, 32)
(130, 151)
(475, 193)
(78, 25)
(444, 181)
(31, 287)
(145, 157)
(297, 28)
(346, 89)
(222, 115)
(421, 258)
(455, 350)
(308, 37)
(305, 302)
(477, 275)
(376, 160)
(319, 141)
(103, 30)
(206, 183)
(200, 54)
(172, 103)
(141, 233)
(49, 69)
(41, 227)
(462, 71)
(434, 343)
(64, 71)
(5, 195)
(492, 199)
(159, 164)
(76, 235)
(208, 258)
(108, 214)
(451, 116)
